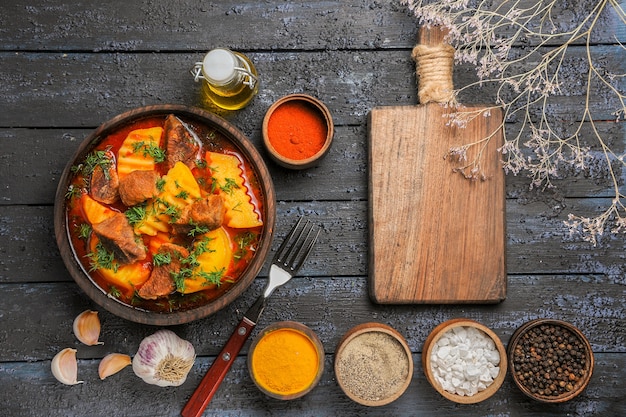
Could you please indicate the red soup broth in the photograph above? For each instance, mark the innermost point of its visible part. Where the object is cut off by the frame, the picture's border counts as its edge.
(244, 241)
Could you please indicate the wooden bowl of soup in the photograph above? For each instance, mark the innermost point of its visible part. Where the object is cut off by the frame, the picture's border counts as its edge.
(165, 214)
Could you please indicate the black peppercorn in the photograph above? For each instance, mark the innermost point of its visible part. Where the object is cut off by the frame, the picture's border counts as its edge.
(549, 360)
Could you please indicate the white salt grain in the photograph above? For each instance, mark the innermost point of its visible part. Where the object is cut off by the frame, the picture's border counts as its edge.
(464, 361)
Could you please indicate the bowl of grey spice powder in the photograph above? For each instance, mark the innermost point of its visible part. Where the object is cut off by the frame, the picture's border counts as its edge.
(551, 361)
(373, 364)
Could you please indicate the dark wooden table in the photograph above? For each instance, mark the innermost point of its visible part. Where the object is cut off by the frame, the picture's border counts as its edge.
(65, 67)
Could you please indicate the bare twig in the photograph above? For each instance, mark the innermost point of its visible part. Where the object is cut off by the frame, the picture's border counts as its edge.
(484, 33)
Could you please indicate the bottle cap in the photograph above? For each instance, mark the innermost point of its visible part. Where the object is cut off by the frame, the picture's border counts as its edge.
(219, 66)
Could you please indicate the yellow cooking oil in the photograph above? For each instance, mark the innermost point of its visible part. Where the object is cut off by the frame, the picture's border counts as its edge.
(229, 79)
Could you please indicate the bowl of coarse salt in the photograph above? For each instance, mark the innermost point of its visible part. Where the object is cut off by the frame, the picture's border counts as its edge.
(464, 361)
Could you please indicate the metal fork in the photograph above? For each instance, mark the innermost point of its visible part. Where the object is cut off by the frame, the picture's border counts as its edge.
(288, 259)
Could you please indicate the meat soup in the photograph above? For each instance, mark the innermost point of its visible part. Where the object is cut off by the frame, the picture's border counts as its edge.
(164, 214)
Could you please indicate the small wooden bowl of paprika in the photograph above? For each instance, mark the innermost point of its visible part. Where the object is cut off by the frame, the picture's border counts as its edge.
(297, 131)
(286, 360)
(551, 361)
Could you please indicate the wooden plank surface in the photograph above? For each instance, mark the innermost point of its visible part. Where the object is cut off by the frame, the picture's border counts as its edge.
(435, 236)
(68, 66)
(61, 26)
(34, 381)
(94, 87)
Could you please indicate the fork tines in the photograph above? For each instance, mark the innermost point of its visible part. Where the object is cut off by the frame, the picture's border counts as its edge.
(297, 246)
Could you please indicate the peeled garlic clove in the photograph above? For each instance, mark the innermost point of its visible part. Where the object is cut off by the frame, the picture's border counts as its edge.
(87, 328)
(112, 364)
(65, 368)
(164, 359)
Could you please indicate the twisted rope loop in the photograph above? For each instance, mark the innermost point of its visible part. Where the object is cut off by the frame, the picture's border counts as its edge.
(434, 64)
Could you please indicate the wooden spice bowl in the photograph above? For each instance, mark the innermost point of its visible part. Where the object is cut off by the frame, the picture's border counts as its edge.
(291, 349)
(546, 341)
(427, 365)
(373, 364)
(316, 112)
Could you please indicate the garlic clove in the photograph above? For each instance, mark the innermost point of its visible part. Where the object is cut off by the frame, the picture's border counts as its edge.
(87, 328)
(65, 368)
(164, 359)
(112, 364)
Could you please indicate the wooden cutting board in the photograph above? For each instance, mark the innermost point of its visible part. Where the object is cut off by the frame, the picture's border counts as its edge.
(435, 236)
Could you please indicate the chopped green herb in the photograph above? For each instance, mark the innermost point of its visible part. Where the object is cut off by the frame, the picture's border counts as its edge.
(212, 278)
(72, 192)
(236, 207)
(84, 230)
(243, 240)
(183, 195)
(114, 292)
(149, 149)
(97, 158)
(196, 229)
(203, 246)
(161, 259)
(179, 278)
(102, 259)
(136, 214)
(229, 185)
(213, 184)
(166, 208)
(173, 212)
(160, 184)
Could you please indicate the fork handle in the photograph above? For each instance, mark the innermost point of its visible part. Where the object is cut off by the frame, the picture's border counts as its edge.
(216, 373)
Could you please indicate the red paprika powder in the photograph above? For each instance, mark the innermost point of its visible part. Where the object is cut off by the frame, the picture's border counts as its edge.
(297, 130)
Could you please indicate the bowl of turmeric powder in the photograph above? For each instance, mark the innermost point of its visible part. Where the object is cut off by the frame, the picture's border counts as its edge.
(297, 131)
(286, 360)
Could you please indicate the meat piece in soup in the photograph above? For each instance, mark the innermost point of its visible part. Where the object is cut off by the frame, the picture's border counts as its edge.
(167, 263)
(117, 236)
(104, 182)
(181, 145)
(138, 187)
(206, 213)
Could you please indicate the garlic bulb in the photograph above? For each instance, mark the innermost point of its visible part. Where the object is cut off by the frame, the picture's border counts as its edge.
(112, 364)
(65, 368)
(164, 359)
(87, 328)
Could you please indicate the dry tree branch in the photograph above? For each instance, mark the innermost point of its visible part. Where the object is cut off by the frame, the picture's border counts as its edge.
(484, 34)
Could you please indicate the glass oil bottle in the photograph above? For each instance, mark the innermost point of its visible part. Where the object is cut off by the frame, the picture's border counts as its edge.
(229, 79)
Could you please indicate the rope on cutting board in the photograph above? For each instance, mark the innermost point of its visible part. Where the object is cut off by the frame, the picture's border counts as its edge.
(434, 66)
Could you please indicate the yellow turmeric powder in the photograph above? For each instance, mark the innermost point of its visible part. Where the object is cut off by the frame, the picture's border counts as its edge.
(285, 362)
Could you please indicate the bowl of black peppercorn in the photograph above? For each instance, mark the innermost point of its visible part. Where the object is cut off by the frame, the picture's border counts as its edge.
(551, 361)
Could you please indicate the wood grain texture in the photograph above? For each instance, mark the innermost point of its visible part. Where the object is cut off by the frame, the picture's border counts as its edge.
(239, 397)
(435, 236)
(94, 87)
(69, 66)
(338, 24)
